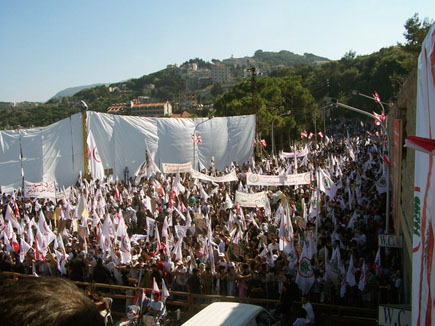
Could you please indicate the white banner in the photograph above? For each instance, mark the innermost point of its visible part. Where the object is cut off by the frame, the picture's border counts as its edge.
(39, 190)
(423, 264)
(278, 180)
(250, 200)
(177, 167)
(291, 155)
(390, 241)
(232, 176)
(392, 316)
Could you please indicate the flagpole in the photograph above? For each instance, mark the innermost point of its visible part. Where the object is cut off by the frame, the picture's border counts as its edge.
(318, 202)
(85, 139)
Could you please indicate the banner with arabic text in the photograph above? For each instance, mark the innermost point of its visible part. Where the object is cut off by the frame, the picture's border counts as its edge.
(232, 176)
(278, 180)
(301, 153)
(250, 200)
(176, 167)
(39, 189)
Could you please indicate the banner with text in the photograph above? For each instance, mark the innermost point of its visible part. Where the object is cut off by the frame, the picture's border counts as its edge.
(278, 180)
(177, 167)
(39, 189)
(423, 266)
(232, 176)
(301, 153)
(250, 200)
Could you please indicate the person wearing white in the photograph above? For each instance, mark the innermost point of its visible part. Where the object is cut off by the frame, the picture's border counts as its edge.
(155, 306)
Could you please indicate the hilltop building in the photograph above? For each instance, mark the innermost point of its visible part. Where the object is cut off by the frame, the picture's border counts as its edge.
(142, 106)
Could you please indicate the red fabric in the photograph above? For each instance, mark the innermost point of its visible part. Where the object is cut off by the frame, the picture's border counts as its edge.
(422, 144)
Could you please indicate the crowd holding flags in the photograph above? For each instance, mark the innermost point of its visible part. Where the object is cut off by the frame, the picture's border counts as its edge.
(165, 210)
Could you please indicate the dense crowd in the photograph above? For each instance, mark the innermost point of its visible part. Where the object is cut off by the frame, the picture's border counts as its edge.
(192, 235)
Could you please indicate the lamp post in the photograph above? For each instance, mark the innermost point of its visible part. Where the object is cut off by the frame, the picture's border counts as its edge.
(355, 92)
(384, 131)
(272, 136)
(194, 139)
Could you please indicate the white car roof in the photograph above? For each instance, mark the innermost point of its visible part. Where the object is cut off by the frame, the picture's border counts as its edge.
(224, 314)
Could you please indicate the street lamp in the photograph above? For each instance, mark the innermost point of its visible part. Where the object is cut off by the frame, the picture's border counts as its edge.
(384, 131)
(355, 92)
(272, 135)
(194, 139)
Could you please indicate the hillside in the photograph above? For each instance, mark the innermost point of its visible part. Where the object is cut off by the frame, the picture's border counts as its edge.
(71, 91)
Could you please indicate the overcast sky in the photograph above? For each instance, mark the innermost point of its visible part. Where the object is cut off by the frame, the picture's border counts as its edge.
(49, 45)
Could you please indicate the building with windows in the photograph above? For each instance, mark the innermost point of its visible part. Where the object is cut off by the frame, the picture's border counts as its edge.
(220, 73)
(141, 107)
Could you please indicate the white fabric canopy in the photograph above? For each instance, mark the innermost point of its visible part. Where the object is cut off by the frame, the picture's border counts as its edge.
(55, 152)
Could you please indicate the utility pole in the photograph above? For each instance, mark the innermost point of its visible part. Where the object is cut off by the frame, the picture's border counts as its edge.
(254, 91)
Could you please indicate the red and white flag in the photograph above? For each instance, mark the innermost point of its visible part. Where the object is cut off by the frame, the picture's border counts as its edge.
(96, 168)
(263, 143)
(421, 144)
(376, 97)
(165, 292)
(320, 134)
(304, 134)
(156, 289)
(379, 118)
(311, 135)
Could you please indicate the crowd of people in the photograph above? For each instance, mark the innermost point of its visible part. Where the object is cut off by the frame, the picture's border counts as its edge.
(318, 239)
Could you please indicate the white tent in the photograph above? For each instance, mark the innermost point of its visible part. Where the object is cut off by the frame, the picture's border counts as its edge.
(55, 152)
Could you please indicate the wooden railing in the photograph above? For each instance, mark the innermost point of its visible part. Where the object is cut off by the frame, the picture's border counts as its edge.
(326, 314)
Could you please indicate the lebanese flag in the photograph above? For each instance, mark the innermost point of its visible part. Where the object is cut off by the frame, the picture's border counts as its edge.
(320, 134)
(304, 134)
(311, 135)
(421, 144)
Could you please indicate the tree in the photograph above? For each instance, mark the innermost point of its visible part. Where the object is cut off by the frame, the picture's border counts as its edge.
(274, 97)
(415, 32)
(216, 90)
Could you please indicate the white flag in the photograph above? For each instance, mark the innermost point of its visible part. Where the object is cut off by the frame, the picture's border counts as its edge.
(96, 168)
(305, 276)
(350, 275)
(363, 277)
(325, 184)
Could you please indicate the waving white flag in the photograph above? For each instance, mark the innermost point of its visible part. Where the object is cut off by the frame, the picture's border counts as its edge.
(96, 168)
(305, 276)
(325, 184)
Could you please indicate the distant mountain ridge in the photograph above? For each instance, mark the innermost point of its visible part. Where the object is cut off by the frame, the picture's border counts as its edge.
(264, 60)
(71, 91)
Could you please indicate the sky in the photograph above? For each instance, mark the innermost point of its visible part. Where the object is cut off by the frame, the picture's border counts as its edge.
(49, 45)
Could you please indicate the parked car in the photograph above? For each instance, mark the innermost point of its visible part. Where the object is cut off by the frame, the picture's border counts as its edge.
(232, 314)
